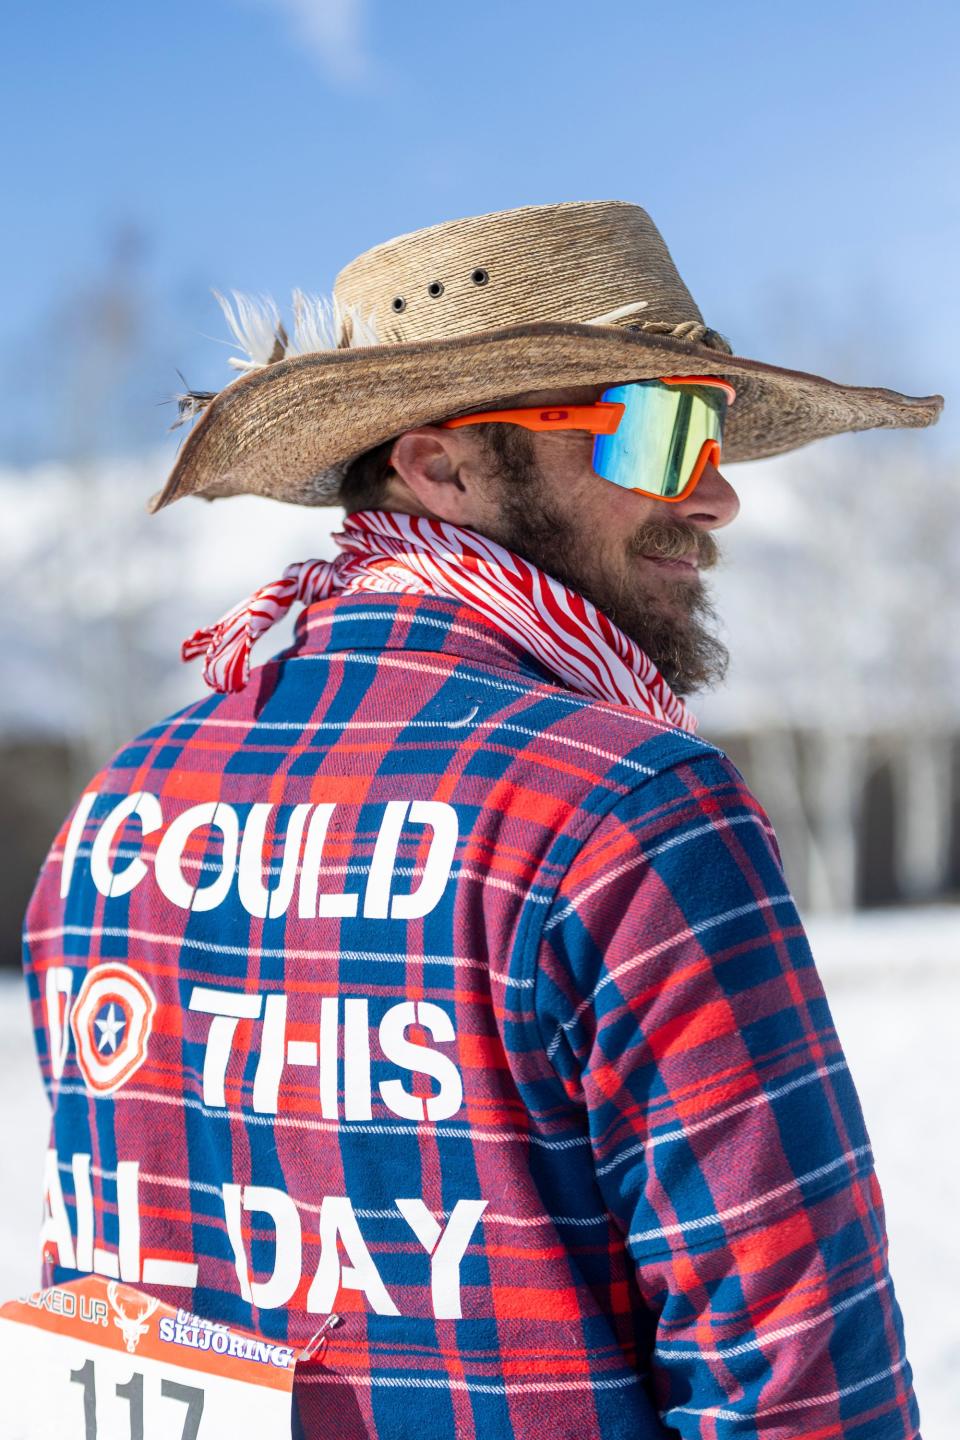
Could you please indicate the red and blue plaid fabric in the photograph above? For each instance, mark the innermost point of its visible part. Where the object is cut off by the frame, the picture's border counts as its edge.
(409, 984)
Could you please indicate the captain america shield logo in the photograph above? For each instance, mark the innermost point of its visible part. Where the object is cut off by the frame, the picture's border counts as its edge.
(111, 1024)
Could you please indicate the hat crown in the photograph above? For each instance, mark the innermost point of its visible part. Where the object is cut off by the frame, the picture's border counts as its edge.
(601, 261)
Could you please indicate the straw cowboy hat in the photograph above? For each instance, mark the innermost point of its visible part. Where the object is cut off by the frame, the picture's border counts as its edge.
(461, 315)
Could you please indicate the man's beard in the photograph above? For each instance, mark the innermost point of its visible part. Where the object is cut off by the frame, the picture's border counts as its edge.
(671, 620)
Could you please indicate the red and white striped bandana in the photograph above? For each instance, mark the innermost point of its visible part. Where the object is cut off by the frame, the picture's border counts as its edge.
(387, 552)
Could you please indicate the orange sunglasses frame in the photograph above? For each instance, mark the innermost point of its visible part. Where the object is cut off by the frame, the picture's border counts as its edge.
(602, 418)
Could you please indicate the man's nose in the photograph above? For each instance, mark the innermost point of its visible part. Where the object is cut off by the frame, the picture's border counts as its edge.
(712, 503)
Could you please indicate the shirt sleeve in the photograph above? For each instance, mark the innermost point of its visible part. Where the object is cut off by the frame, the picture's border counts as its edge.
(679, 1003)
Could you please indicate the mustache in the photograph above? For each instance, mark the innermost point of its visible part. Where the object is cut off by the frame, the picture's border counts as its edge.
(673, 540)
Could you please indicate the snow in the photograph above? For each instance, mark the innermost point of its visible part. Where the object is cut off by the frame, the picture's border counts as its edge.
(893, 981)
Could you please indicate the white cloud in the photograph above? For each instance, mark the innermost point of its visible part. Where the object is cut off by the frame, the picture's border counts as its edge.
(332, 31)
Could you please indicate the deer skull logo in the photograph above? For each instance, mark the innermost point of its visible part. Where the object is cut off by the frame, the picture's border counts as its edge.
(132, 1327)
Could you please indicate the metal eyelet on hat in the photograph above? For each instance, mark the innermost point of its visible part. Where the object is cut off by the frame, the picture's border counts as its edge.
(479, 276)
(435, 289)
(399, 303)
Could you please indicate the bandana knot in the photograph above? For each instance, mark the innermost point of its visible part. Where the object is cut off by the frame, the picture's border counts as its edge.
(226, 645)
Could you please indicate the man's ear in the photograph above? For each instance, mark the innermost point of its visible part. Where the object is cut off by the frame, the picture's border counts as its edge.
(428, 463)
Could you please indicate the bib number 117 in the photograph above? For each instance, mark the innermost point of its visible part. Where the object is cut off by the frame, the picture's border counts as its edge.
(131, 1391)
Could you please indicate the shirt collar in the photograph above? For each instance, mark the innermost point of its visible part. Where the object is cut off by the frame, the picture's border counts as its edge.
(410, 622)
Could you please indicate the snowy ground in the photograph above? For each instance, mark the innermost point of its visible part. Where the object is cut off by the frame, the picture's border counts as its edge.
(893, 979)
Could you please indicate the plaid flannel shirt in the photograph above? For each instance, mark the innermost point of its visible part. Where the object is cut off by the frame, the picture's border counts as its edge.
(411, 984)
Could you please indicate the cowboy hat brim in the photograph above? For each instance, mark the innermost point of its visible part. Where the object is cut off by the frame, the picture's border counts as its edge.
(289, 429)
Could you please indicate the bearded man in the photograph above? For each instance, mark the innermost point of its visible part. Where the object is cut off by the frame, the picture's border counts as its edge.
(445, 981)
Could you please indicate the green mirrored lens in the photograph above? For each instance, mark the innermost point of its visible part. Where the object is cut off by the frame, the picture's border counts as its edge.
(660, 435)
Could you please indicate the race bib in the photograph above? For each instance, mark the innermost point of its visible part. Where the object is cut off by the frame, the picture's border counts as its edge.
(97, 1360)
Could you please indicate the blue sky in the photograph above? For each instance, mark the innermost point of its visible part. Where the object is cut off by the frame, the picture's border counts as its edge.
(801, 162)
